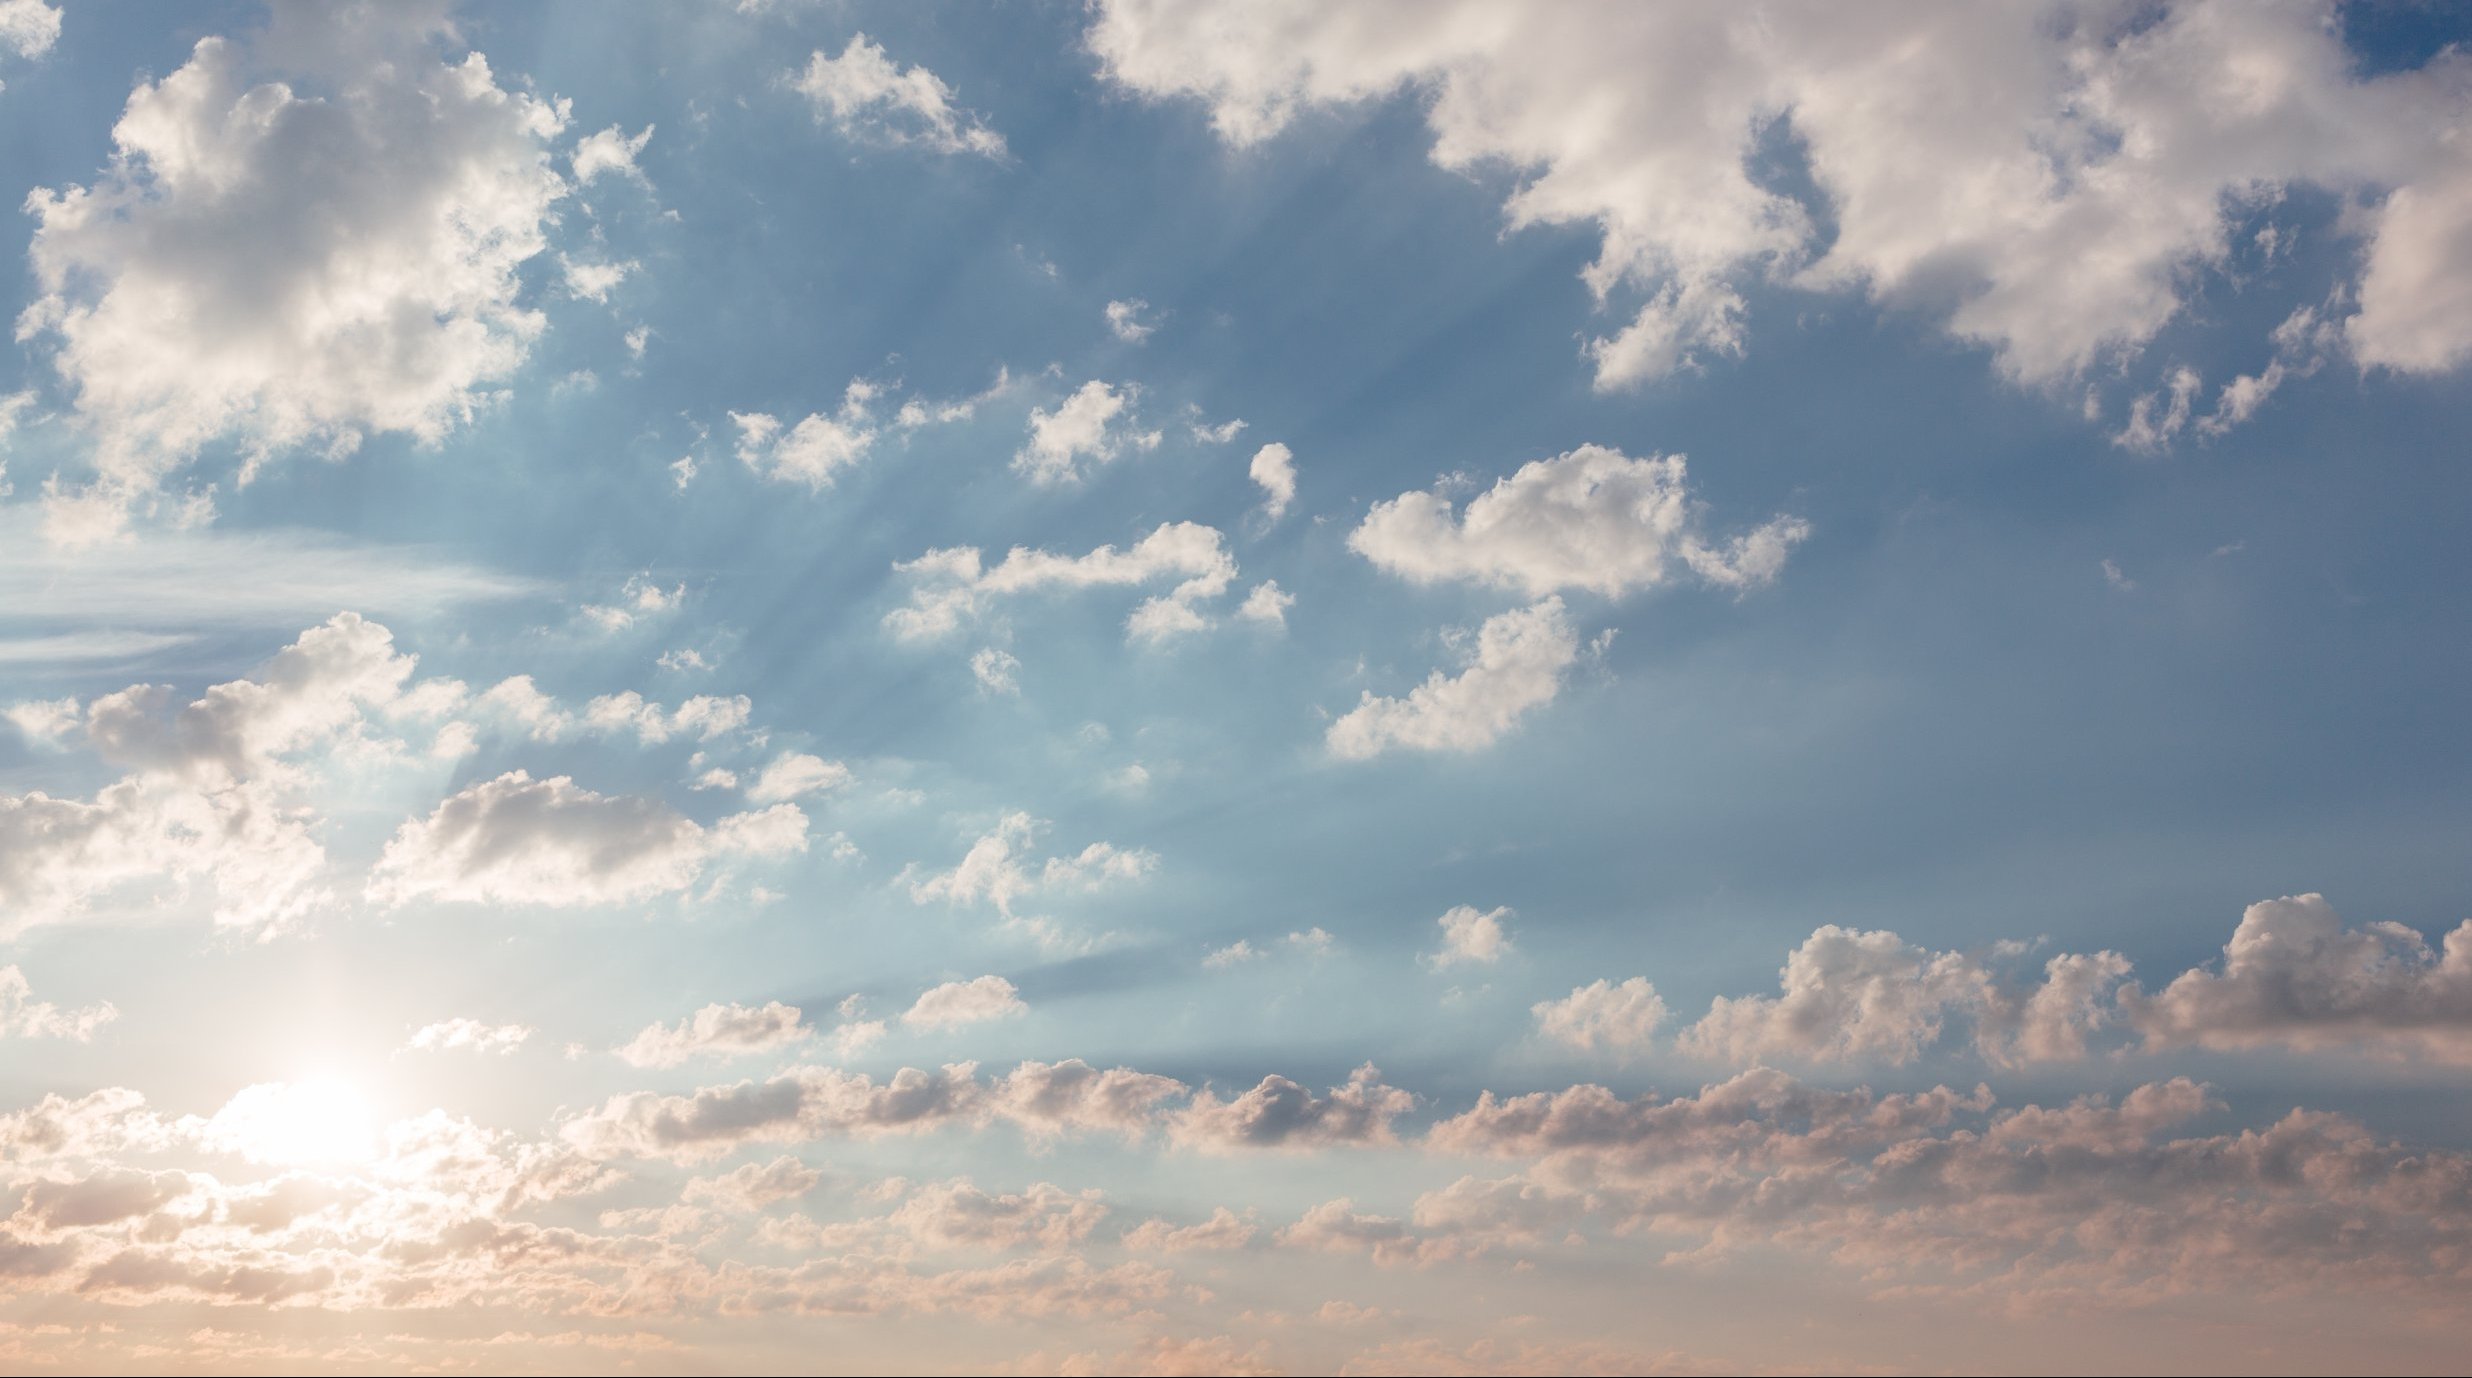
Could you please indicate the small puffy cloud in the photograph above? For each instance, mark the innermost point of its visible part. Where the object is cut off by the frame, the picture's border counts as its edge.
(1124, 321)
(1092, 427)
(800, 1105)
(952, 586)
(2294, 976)
(2416, 292)
(28, 28)
(1047, 1099)
(469, 1036)
(998, 870)
(1274, 471)
(1471, 936)
(816, 450)
(639, 598)
(369, 284)
(794, 775)
(1517, 665)
(594, 281)
(1617, 1018)
(517, 840)
(1591, 519)
(1224, 1230)
(1236, 953)
(956, 1003)
(23, 1016)
(2117, 580)
(610, 151)
(2155, 419)
(957, 1214)
(1279, 1113)
(997, 672)
(752, 1187)
(703, 717)
(718, 1031)
(866, 94)
(1266, 605)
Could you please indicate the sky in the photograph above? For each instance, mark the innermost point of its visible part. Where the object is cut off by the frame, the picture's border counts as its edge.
(1235, 688)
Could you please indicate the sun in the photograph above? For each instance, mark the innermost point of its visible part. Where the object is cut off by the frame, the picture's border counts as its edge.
(322, 1122)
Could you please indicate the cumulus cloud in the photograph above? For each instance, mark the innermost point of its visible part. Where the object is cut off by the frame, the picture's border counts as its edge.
(794, 775)
(609, 152)
(1517, 665)
(469, 1036)
(1592, 519)
(1267, 605)
(1124, 321)
(1224, 1230)
(1274, 471)
(2055, 197)
(997, 672)
(1279, 1113)
(998, 870)
(866, 94)
(301, 239)
(952, 586)
(23, 1016)
(1471, 936)
(1618, 1018)
(1092, 427)
(718, 1031)
(517, 840)
(816, 450)
(2294, 976)
(956, 1003)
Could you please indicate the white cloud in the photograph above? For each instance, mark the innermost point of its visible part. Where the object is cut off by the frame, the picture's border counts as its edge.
(1093, 426)
(718, 1031)
(2154, 421)
(950, 586)
(956, 1003)
(814, 451)
(2115, 579)
(517, 840)
(1220, 434)
(1224, 1230)
(28, 28)
(793, 775)
(1234, 954)
(1618, 1018)
(367, 282)
(2293, 976)
(1279, 1113)
(23, 1016)
(997, 672)
(1517, 665)
(2047, 183)
(1125, 323)
(638, 598)
(469, 1035)
(1267, 604)
(1470, 935)
(594, 281)
(610, 151)
(1274, 469)
(997, 869)
(1591, 519)
(866, 94)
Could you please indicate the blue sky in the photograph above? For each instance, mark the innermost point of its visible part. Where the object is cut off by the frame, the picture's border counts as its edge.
(1960, 505)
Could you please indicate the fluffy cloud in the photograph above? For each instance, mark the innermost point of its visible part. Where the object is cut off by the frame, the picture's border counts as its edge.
(517, 840)
(28, 28)
(865, 93)
(301, 239)
(1279, 1113)
(1124, 321)
(1224, 1230)
(1592, 519)
(1267, 605)
(718, 1031)
(956, 1214)
(1618, 1018)
(469, 1035)
(2294, 976)
(1274, 471)
(1047, 1099)
(997, 672)
(996, 871)
(956, 1003)
(952, 585)
(1517, 665)
(794, 775)
(1470, 935)
(1093, 426)
(1970, 161)
(610, 151)
(797, 1106)
(23, 1016)
(815, 451)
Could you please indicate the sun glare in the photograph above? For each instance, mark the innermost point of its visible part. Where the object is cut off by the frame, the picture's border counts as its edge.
(318, 1123)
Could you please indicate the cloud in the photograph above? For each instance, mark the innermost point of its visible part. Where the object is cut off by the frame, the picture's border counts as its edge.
(23, 1016)
(1223, 1231)
(1093, 426)
(718, 1031)
(951, 586)
(1592, 519)
(28, 28)
(301, 239)
(956, 1003)
(1618, 1018)
(1849, 994)
(794, 775)
(610, 151)
(866, 94)
(1048, 1099)
(469, 1035)
(997, 672)
(1274, 471)
(1267, 604)
(1125, 323)
(753, 1187)
(1470, 936)
(1517, 665)
(996, 870)
(1279, 1113)
(815, 451)
(2056, 199)
(956, 1214)
(2293, 976)
(517, 840)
